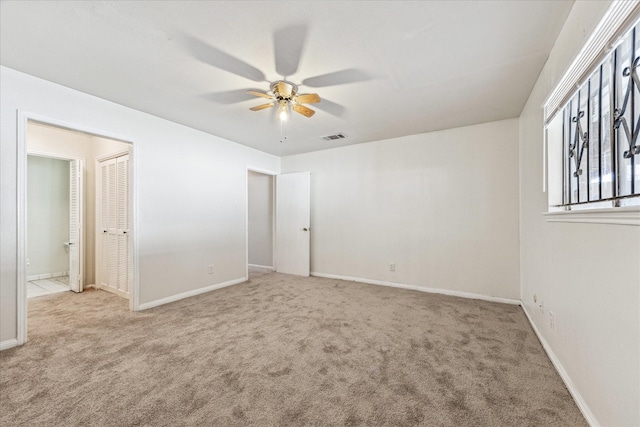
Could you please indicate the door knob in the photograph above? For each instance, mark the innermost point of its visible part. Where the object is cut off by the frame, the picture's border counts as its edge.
(305, 229)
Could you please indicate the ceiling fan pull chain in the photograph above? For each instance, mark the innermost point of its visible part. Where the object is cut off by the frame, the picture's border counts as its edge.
(283, 130)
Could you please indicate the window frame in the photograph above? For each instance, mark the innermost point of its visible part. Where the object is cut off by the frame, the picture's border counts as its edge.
(621, 22)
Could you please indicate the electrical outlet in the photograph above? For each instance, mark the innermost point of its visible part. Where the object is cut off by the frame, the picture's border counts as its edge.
(392, 266)
(210, 269)
(541, 307)
(535, 298)
(551, 320)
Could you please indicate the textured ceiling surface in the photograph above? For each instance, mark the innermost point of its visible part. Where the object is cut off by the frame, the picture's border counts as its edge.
(383, 69)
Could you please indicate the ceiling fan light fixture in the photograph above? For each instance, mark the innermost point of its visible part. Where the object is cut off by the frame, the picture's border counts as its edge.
(285, 97)
(283, 112)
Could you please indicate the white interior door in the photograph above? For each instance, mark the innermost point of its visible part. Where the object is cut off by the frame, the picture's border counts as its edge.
(122, 224)
(76, 249)
(293, 219)
(114, 247)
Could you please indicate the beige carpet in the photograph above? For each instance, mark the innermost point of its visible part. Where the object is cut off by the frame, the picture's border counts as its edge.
(282, 350)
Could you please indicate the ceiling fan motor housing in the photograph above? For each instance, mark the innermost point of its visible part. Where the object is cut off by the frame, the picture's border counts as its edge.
(284, 90)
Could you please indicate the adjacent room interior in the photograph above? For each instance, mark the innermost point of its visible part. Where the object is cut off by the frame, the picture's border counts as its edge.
(320, 213)
(76, 240)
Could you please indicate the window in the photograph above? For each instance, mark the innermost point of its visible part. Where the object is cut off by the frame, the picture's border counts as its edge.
(592, 127)
(600, 128)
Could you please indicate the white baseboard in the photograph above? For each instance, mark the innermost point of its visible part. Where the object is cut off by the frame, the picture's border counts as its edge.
(7, 344)
(419, 288)
(47, 275)
(264, 267)
(188, 294)
(577, 397)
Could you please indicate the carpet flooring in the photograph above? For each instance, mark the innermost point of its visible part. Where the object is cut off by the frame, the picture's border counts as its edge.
(281, 350)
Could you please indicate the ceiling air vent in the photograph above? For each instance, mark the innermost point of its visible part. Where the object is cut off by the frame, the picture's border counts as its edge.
(333, 137)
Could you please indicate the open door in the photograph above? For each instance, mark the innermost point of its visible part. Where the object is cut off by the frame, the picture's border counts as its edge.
(75, 225)
(293, 219)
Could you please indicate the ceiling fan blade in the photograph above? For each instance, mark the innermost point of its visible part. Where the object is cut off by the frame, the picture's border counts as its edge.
(213, 56)
(288, 43)
(350, 75)
(307, 98)
(261, 107)
(331, 108)
(284, 89)
(227, 97)
(307, 112)
(258, 93)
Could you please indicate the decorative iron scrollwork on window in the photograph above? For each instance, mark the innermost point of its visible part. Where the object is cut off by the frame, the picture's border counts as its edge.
(601, 128)
(576, 150)
(618, 114)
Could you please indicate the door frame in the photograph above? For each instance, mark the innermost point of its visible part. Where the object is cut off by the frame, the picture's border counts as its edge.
(24, 118)
(83, 240)
(273, 215)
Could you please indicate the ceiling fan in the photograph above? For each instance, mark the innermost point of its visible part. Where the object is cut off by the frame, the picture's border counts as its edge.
(288, 47)
(285, 96)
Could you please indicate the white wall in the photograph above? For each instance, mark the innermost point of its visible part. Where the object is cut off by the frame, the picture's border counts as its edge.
(191, 191)
(53, 140)
(442, 206)
(48, 215)
(587, 274)
(260, 218)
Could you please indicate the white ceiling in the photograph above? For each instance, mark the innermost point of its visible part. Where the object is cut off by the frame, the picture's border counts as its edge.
(383, 69)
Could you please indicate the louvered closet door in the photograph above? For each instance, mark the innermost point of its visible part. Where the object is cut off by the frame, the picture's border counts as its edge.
(75, 225)
(122, 222)
(115, 210)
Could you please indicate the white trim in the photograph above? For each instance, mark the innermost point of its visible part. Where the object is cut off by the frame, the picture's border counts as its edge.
(183, 295)
(545, 144)
(577, 397)
(420, 288)
(263, 267)
(613, 24)
(629, 215)
(134, 300)
(112, 156)
(21, 223)
(262, 171)
(47, 276)
(25, 115)
(115, 291)
(53, 155)
(7, 344)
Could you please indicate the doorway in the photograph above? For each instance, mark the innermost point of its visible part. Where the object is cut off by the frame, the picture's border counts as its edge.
(278, 223)
(260, 222)
(55, 237)
(60, 144)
